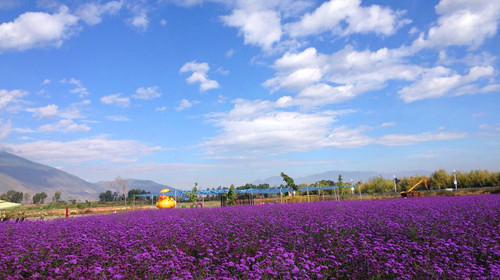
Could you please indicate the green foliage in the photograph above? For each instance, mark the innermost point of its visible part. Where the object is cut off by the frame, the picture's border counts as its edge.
(12, 196)
(441, 180)
(231, 196)
(193, 195)
(378, 185)
(135, 192)
(39, 198)
(56, 197)
(106, 196)
(289, 182)
(340, 184)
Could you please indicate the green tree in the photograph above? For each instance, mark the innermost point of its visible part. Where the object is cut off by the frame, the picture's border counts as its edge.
(340, 184)
(57, 196)
(12, 196)
(440, 180)
(135, 192)
(106, 196)
(289, 182)
(39, 198)
(231, 196)
(193, 195)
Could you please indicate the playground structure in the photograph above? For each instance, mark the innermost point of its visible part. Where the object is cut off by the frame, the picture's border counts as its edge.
(165, 201)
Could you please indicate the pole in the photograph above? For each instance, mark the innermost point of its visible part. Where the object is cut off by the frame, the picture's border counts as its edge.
(308, 199)
(360, 197)
(455, 178)
(395, 187)
(281, 196)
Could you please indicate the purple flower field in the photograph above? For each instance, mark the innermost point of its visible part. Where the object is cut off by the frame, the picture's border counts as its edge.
(421, 238)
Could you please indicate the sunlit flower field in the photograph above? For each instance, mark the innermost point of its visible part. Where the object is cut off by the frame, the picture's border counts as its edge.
(420, 238)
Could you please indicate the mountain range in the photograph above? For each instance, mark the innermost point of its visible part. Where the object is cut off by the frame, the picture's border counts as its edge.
(22, 175)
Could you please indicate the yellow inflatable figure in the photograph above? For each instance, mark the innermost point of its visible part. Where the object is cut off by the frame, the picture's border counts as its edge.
(165, 201)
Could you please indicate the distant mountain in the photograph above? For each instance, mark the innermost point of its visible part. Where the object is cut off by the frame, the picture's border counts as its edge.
(20, 174)
(146, 185)
(334, 175)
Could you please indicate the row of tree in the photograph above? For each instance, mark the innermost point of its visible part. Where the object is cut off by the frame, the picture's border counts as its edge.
(38, 198)
(438, 180)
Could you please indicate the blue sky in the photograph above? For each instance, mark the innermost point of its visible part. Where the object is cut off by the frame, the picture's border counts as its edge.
(226, 92)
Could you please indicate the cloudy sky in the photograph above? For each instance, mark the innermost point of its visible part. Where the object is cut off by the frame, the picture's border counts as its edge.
(221, 92)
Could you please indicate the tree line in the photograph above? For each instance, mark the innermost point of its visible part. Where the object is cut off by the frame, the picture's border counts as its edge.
(38, 198)
(438, 180)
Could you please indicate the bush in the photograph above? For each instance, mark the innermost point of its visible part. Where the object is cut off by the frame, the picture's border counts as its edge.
(495, 190)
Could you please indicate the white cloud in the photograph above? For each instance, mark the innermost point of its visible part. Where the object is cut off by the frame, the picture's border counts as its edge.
(147, 93)
(5, 129)
(118, 118)
(99, 148)
(37, 29)
(258, 27)
(65, 125)
(13, 96)
(440, 81)
(140, 20)
(346, 17)
(46, 82)
(116, 99)
(185, 104)
(258, 127)
(388, 124)
(410, 139)
(230, 53)
(199, 75)
(161, 109)
(48, 111)
(322, 79)
(80, 89)
(74, 110)
(462, 23)
(92, 13)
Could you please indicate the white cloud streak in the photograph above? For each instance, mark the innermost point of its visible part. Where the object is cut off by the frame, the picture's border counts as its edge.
(185, 104)
(199, 75)
(345, 17)
(116, 99)
(46, 112)
(64, 125)
(5, 129)
(147, 93)
(13, 96)
(98, 148)
(92, 13)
